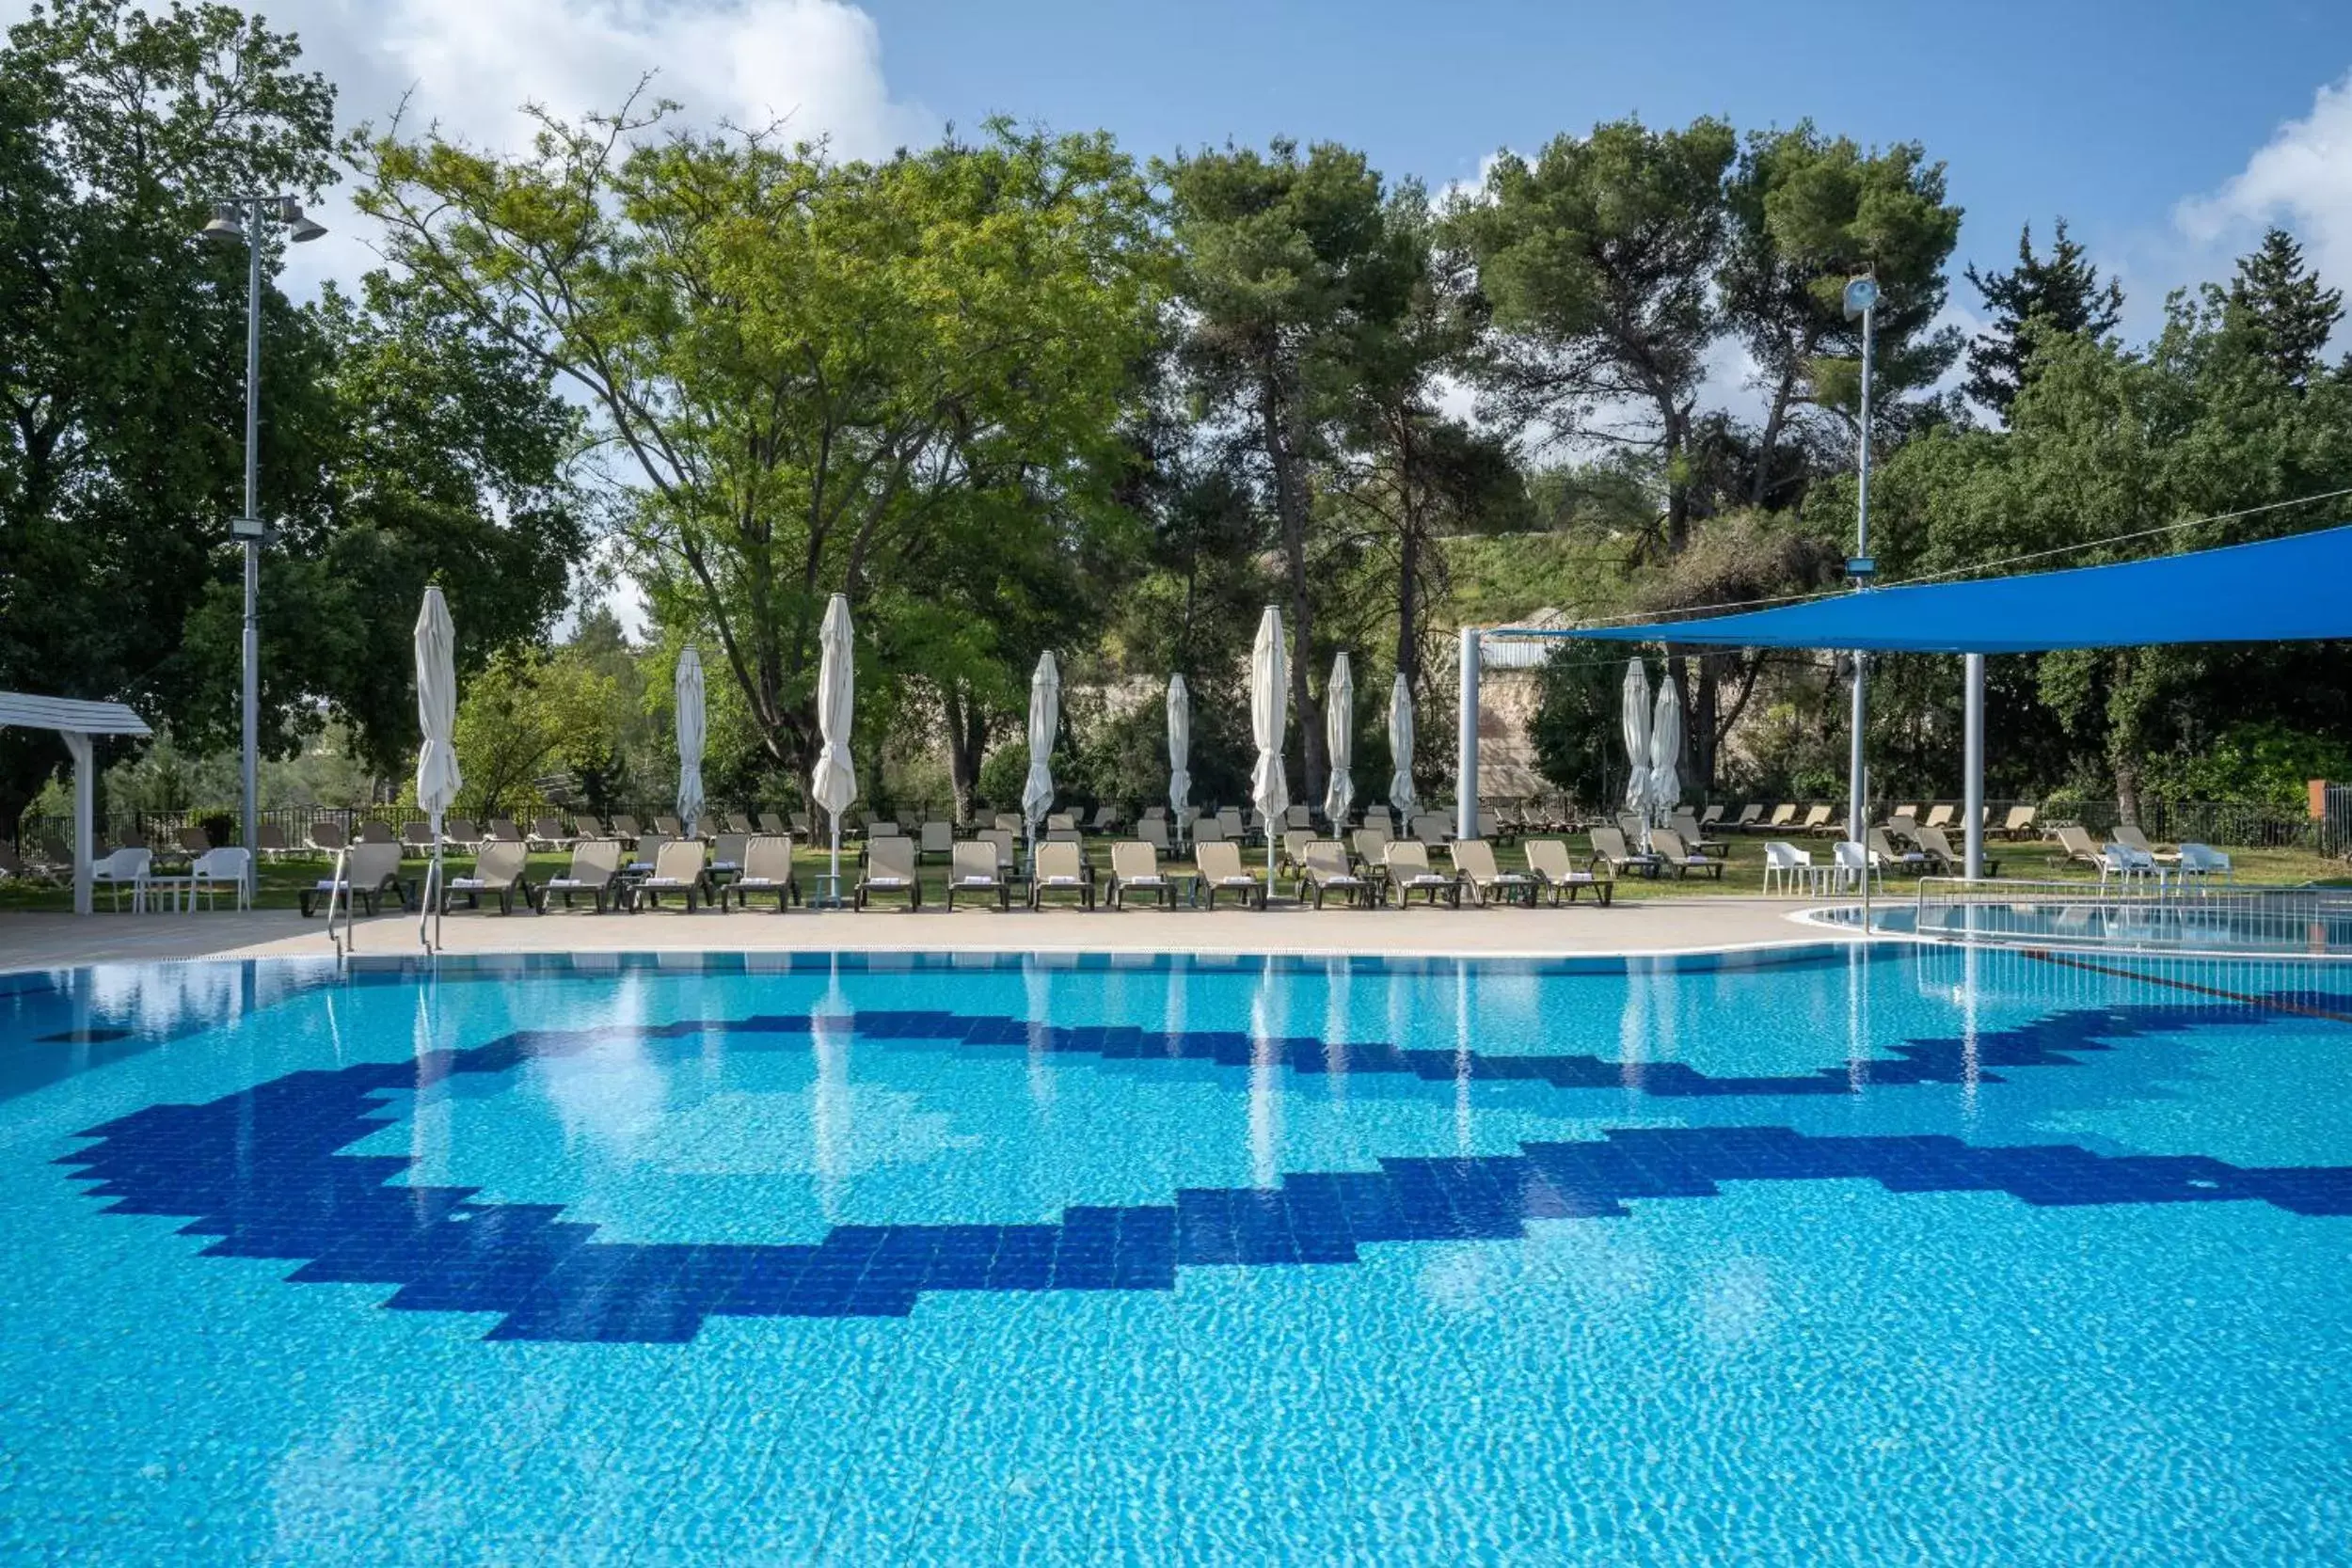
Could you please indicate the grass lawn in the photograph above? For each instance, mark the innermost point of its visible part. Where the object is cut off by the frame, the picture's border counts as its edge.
(283, 880)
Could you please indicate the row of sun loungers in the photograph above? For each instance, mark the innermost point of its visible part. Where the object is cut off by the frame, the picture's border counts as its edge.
(761, 865)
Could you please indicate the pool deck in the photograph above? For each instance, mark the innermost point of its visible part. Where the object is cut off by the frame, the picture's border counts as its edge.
(1648, 926)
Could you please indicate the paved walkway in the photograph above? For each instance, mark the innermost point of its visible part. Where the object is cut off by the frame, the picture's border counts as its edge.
(1650, 925)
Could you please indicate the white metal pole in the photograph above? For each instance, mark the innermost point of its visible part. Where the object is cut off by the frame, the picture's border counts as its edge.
(1972, 785)
(84, 809)
(1466, 778)
(249, 763)
(1858, 805)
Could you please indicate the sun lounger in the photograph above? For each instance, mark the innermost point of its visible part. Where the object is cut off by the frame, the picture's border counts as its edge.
(2020, 821)
(648, 850)
(737, 822)
(328, 836)
(547, 833)
(1937, 846)
(2080, 848)
(726, 858)
(1886, 852)
(1154, 831)
(1784, 817)
(1323, 870)
(678, 868)
(1549, 860)
(1405, 870)
(1105, 821)
(1940, 817)
(939, 838)
(503, 830)
(586, 827)
(1611, 849)
(1429, 830)
(1208, 829)
(496, 871)
(2132, 838)
(772, 825)
(1750, 815)
(1688, 825)
(1060, 868)
(1220, 867)
(1474, 862)
(594, 863)
(1371, 843)
(1671, 850)
(625, 830)
(767, 868)
(369, 869)
(801, 827)
(974, 869)
(1136, 868)
(270, 840)
(374, 832)
(1820, 821)
(889, 868)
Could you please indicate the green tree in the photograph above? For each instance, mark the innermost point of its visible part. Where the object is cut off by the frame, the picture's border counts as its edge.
(121, 395)
(1808, 213)
(1286, 262)
(1597, 260)
(2279, 304)
(804, 374)
(527, 715)
(2056, 293)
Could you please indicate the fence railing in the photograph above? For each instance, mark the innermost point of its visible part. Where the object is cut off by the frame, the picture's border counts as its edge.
(2201, 916)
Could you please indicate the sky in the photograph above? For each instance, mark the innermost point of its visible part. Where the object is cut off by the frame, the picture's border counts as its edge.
(2169, 132)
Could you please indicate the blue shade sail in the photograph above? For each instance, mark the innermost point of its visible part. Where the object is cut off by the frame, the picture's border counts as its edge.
(2293, 589)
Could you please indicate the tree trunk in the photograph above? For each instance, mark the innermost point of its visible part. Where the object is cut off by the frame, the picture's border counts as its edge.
(967, 739)
(1290, 505)
(1408, 548)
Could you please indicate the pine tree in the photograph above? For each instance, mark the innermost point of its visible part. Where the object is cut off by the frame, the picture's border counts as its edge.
(2279, 304)
(2060, 293)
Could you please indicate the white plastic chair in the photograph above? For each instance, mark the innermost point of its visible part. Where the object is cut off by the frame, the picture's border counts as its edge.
(1853, 864)
(213, 869)
(125, 868)
(1791, 867)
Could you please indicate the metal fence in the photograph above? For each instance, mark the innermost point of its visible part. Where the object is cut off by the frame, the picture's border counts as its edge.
(2143, 913)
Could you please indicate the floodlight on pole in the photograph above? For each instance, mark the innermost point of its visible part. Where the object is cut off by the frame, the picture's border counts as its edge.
(242, 220)
(1861, 298)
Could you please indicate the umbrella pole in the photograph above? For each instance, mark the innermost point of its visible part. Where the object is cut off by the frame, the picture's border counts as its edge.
(836, 860)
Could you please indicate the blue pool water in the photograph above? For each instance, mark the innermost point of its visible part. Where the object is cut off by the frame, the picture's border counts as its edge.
(1913, 1255)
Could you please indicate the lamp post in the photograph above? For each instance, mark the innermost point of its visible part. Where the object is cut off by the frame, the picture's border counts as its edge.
(240, 221)
(1861, 298)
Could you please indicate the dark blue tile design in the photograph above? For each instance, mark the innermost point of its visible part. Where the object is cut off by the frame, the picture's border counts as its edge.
(262, 1172)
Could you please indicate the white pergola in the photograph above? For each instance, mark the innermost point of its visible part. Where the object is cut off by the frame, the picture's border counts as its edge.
(77, 722)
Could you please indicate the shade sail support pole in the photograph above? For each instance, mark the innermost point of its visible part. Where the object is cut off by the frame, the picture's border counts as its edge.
(1972, 784)
(1465, 782)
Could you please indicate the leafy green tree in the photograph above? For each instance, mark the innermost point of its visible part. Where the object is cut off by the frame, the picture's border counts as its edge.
(1403, 471)
(1286, 262)
(2281, 307)
(1808, 213)
(804, 374)
(1598, 261)
(2056, 293)
(525, 716)
(121, 397)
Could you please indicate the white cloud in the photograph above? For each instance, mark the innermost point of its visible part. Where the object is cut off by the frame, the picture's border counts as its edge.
(469, 66)
(2301, 179)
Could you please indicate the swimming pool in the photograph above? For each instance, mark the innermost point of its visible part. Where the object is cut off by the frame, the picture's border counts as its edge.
(1901, 1254)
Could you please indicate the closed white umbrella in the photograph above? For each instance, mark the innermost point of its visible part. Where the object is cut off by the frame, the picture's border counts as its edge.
(1401, 796)
(1179, 748)
(1339, 735)
(437, 778)
(835, 784)
(691, 728)
(1635, 718)
(1665, 750)
(1270, 677)
(1037, 794)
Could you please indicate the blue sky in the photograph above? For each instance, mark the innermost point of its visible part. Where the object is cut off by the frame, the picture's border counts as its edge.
(2108, 113)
